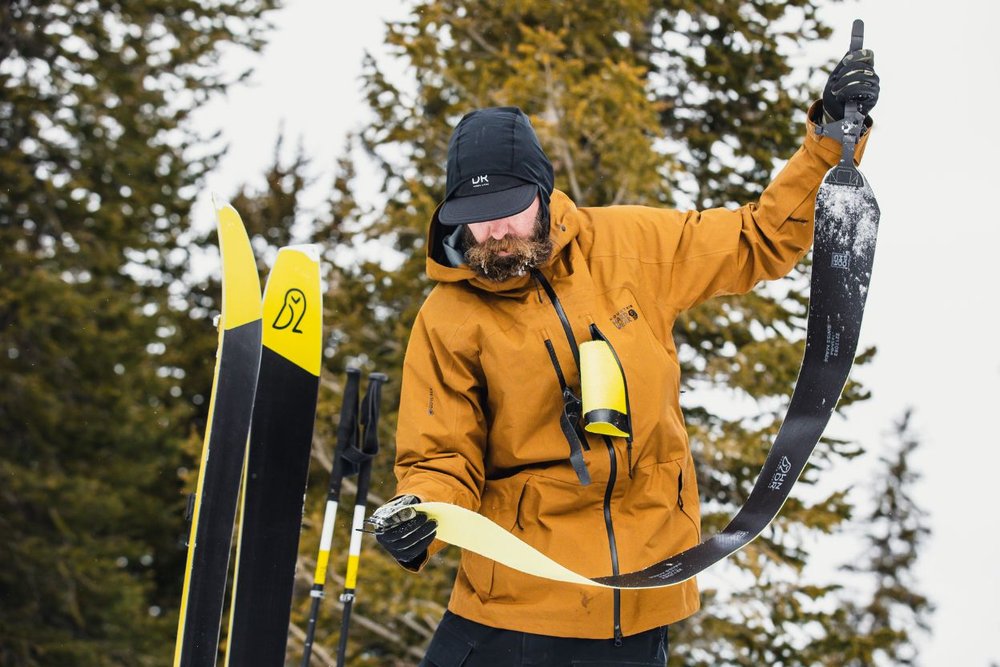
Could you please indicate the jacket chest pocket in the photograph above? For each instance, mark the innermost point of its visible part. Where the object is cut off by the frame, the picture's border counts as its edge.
(652, 375)
(523, 398)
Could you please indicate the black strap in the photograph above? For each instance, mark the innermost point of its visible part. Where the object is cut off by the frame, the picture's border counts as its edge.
(357, 433)
(362, 450)
(563, 319)
(608, 416)
(572, 406)
(347, 434)
(361, 456)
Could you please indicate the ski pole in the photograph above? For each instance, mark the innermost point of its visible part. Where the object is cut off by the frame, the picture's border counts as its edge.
(363, 457)
(347, 433)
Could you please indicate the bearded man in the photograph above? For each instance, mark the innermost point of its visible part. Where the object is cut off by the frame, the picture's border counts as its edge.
(488, 418)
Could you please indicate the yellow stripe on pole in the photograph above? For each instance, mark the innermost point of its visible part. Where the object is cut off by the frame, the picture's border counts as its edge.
(351, 580)
(354, 550)
(322, 563)
(293, 317)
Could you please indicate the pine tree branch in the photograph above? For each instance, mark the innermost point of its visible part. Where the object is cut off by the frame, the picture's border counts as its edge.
(562, 146)
(318, 652)
(481, 41)
(620, 193)
(424, 631)
(306, 565)
(383, 631)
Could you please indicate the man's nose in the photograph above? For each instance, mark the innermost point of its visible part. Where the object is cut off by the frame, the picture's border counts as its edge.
(498, 228)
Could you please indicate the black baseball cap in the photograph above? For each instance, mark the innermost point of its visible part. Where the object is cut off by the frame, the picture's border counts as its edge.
(496, 167)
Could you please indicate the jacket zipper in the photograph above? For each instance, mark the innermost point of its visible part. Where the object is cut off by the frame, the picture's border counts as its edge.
(680, 503)
(611, 537)
(608, 524)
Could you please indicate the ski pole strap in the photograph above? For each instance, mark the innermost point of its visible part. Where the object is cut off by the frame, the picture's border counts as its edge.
(347, 432)
(370, 409)
(363, 449)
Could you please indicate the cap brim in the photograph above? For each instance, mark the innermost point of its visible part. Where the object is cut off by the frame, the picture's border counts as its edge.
(489, 206)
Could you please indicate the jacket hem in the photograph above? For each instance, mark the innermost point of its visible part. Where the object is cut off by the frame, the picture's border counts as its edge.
(561, 623)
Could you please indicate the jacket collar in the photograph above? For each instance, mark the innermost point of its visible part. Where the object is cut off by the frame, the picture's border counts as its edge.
(563, 227)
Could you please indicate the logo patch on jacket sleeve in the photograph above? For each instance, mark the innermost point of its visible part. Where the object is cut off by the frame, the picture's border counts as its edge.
(624, 316)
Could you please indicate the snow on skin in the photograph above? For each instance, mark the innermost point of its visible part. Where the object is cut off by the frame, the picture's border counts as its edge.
(851, 216)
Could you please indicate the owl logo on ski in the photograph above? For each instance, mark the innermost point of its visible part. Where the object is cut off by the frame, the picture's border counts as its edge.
(293, 309)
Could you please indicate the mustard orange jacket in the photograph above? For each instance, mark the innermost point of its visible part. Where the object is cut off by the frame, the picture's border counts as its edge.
(480, 403)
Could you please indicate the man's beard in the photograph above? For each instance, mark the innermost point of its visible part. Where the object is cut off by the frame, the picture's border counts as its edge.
(530, 253)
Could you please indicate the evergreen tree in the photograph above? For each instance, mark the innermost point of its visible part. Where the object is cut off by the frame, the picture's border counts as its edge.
(662, 103)
(98, 171)
(897, 610)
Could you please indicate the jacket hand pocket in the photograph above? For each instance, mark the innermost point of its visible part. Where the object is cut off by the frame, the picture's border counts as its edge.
(500, 502)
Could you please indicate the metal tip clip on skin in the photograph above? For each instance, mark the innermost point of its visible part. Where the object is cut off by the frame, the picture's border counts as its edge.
(392, 513)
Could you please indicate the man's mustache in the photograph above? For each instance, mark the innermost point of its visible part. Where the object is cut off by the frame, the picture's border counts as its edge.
(509, 244)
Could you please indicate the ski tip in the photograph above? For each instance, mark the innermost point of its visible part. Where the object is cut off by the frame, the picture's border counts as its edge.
(241, 302)
(293, 307)
(218, 203)
(310, 250)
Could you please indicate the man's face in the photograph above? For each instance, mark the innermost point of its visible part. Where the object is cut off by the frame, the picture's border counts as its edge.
(507, 247)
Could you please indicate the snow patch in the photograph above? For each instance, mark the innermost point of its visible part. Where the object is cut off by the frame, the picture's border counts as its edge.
(850, 216)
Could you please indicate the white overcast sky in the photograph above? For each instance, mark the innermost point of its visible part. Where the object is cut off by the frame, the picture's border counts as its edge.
(932, 307)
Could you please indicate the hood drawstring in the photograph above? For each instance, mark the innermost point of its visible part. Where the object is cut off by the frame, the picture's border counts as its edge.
(538, 288)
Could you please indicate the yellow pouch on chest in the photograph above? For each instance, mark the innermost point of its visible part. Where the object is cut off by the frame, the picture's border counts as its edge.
(602, 383)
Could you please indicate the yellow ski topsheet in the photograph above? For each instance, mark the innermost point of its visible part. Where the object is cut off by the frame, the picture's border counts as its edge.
(293, 318)
(239, 304)
(292, 328)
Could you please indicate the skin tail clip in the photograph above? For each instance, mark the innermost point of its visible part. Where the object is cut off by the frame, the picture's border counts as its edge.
(848, 129)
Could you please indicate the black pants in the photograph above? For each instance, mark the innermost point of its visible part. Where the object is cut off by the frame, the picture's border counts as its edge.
(459, 642)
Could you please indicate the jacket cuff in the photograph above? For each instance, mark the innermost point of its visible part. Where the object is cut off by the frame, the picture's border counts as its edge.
(430, 489)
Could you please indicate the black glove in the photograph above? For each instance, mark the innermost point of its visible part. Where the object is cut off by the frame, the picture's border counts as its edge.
(403, 532)
(853, 79)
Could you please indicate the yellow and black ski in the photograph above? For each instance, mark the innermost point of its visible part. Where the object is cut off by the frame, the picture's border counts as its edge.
(277, 460)
(229, 414)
